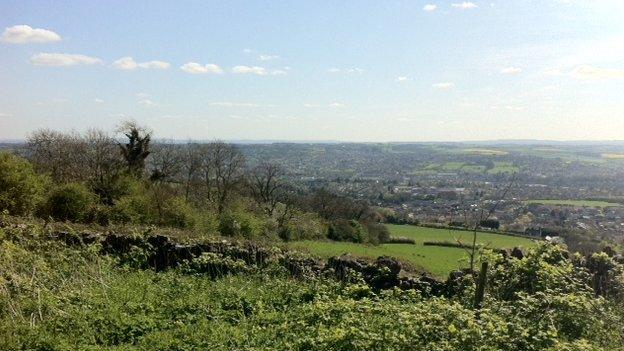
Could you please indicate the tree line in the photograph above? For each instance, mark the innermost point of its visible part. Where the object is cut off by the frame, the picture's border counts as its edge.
(127, 177)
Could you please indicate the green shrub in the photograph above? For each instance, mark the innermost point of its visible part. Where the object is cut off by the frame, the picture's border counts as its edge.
(377, 233)
(21, 189)
(207, 223)
(347, 230)
(178, 213)
(136, 208)
(303, 226)
(244, 224)
(70, 202)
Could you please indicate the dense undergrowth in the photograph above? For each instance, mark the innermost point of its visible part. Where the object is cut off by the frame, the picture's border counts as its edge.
(59, 297)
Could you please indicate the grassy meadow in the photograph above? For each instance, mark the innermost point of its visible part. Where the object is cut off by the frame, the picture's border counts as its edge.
(437, 260)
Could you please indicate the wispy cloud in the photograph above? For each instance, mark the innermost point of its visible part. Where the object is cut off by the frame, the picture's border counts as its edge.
(147, 103)
(265, 57)
(591, 72)
(345, 70)
(128, 63)
(233, 104)
(466, 5)
(552, 72)
(196, 68)
(261, 71)
(511, 70)
(506, 107)
(22, 34)
(98, 101)
(430, 7)
(402, 79)
(444, 85)
(54, 59)
(334, 104)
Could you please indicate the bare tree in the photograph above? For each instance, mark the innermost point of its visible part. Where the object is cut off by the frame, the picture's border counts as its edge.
(265, 185)
(482, 213)
(207, 170)
(165, 164)
(103, 164)
(227, 167)
(58, 154)
(191, 167)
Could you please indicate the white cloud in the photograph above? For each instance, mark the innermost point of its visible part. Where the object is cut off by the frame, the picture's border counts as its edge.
(278, 72)
(268, 57)
(444, 85)
(430, 7)
(5, 115)
(514, 108)
(552, 72)
(346, 70)
(590, 72)
(465, 5)
(142, 95)
(98, 101)
(233, 104)
(196, 68)
(147, 103)
(155, 65)
(261, 71)
(125, 63)
(402, 79)
(507, 107)
(511, 70)
(337, 104)
(128, 63)
(21, 34)
(406, 119)
(47, 59)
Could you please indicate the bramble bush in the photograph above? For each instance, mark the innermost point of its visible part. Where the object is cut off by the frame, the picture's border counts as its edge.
(21, 189)
(70, 202)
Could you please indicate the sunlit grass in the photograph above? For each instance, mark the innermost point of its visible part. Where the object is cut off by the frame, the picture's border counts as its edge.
(437, 260)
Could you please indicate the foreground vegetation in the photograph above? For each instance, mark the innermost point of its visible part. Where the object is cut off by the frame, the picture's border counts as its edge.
(58, 297)
(438, 260)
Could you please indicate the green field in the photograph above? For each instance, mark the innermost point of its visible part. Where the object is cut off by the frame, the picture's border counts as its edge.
(485, 152)
(451, 167)
(437, 260)
(503, 167)
(576, 203)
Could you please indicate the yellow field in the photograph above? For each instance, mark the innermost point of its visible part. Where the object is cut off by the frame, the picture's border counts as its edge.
(613, 156)
(486, 152)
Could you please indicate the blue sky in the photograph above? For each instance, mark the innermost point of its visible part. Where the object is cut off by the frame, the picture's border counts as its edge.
(316, 70)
